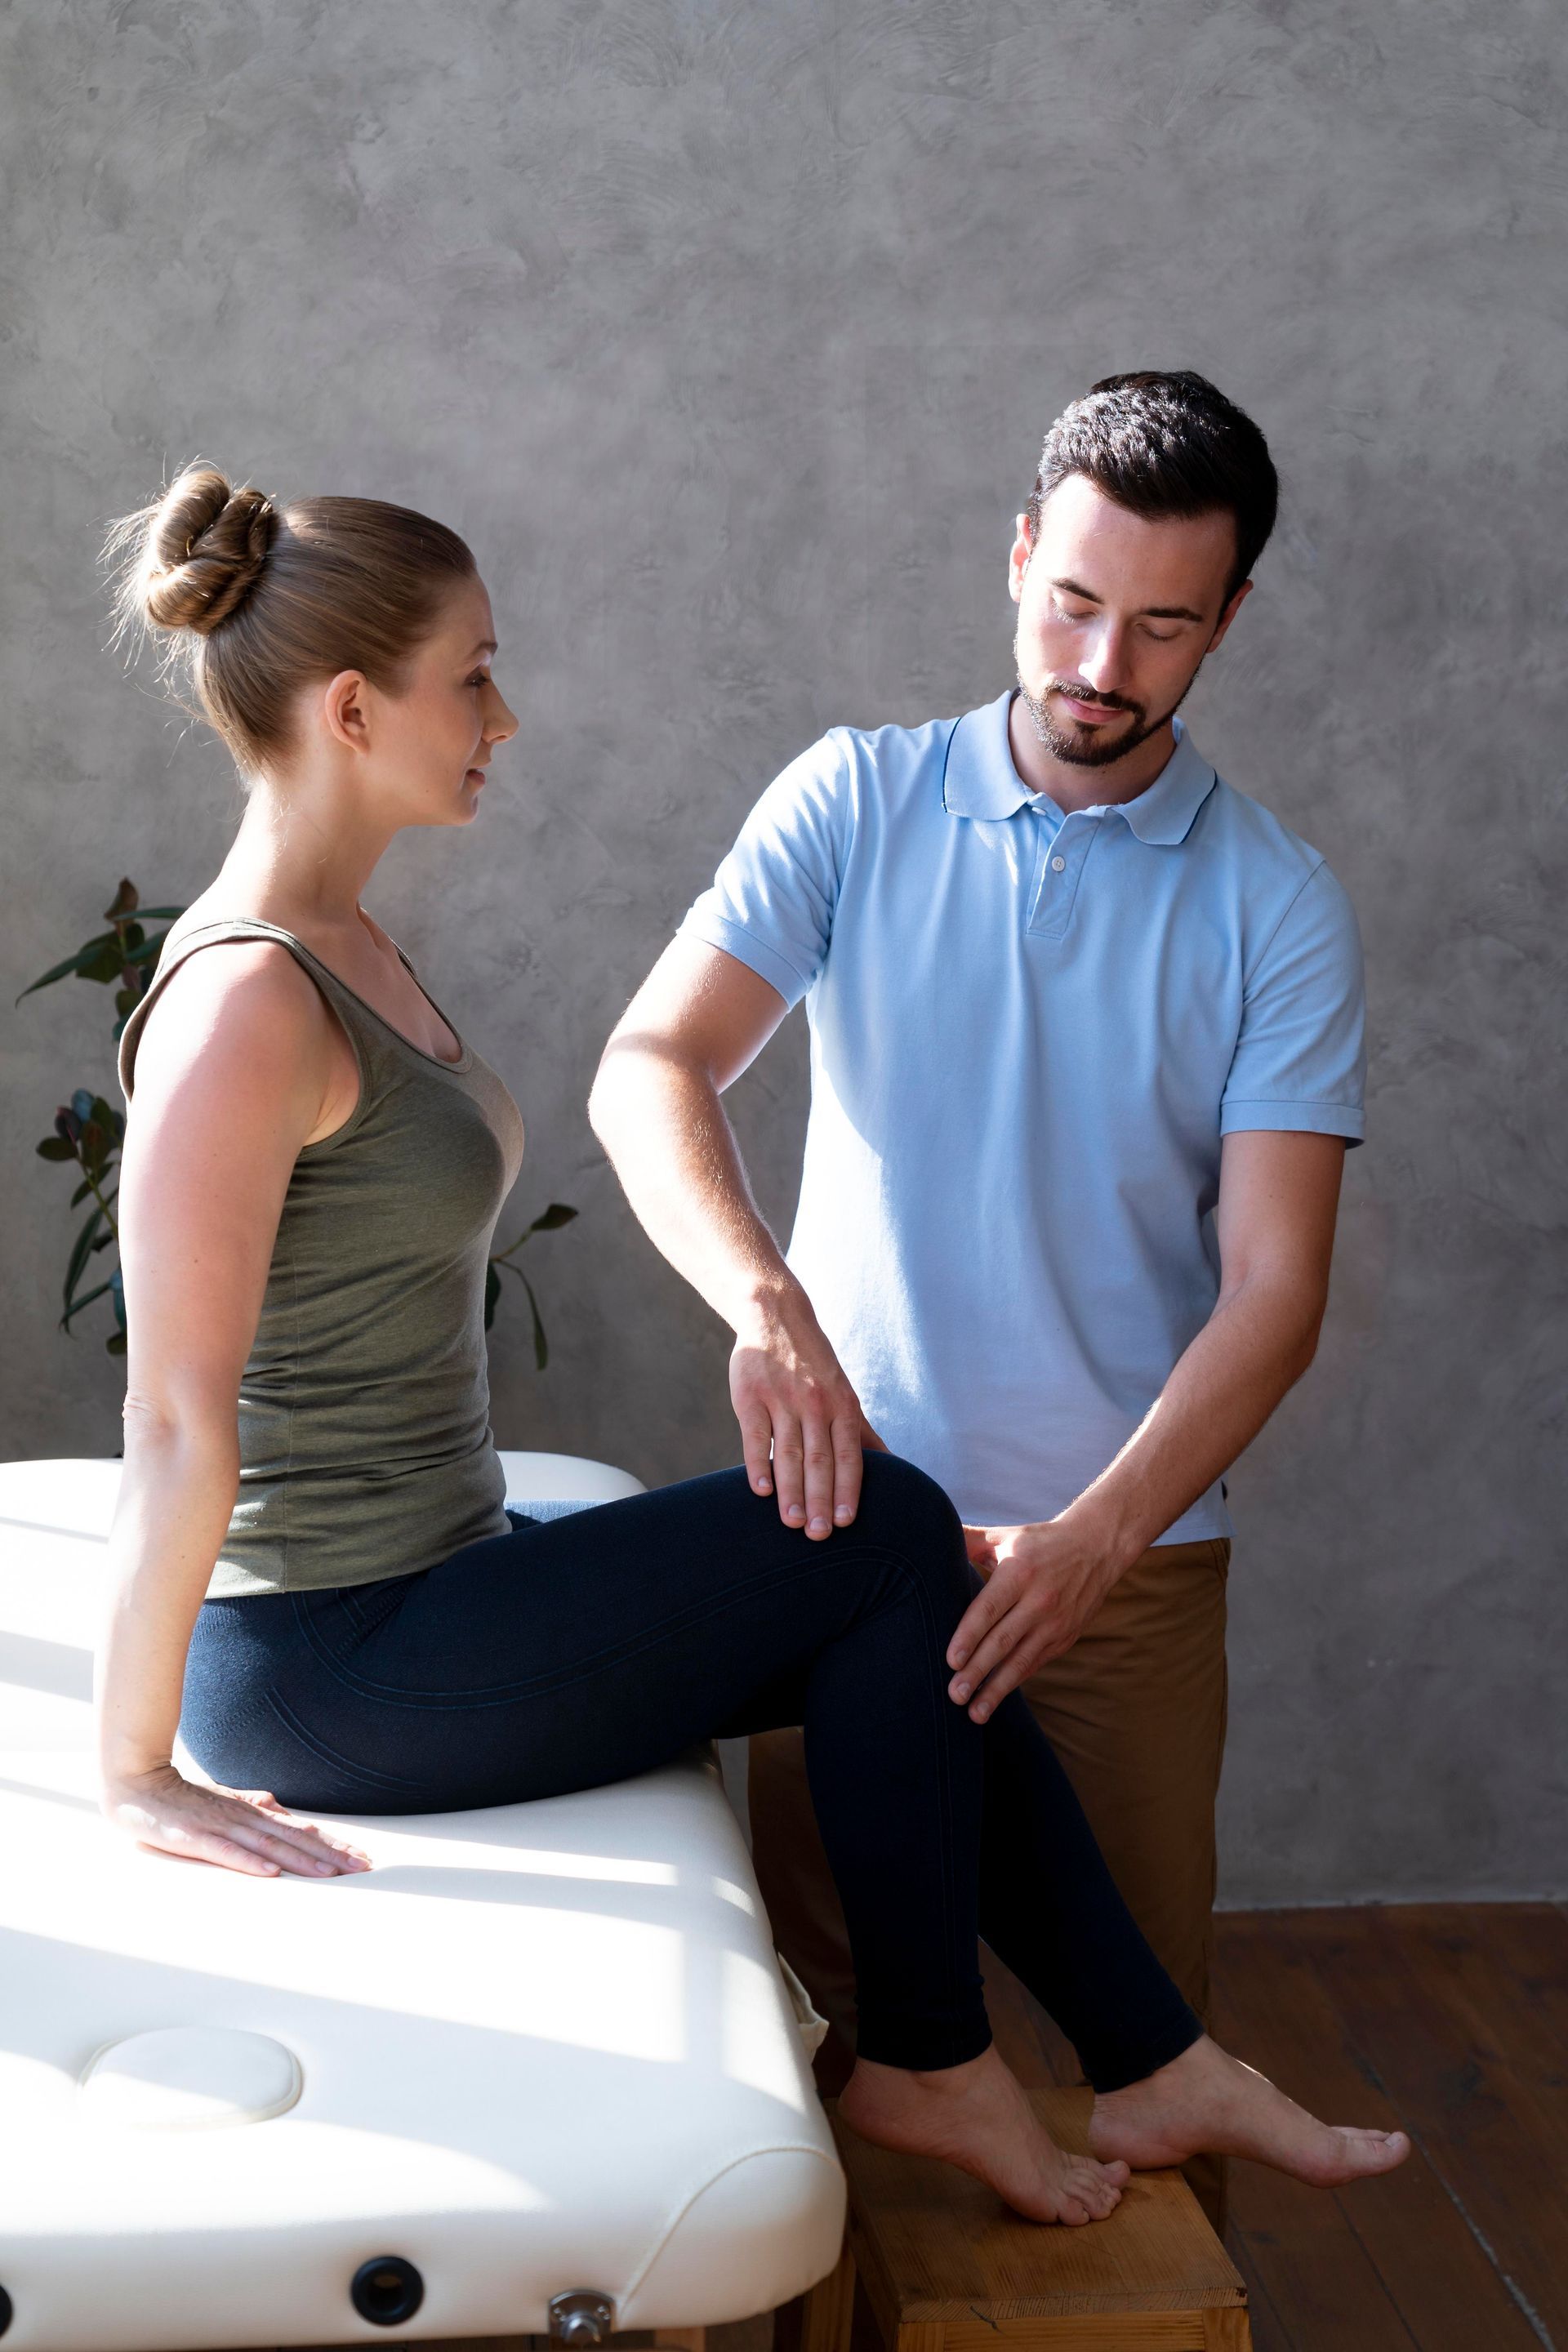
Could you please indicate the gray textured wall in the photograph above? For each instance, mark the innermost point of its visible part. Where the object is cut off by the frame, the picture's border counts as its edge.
(727, 334)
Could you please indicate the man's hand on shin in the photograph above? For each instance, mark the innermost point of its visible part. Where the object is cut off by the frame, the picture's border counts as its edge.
(1043, 1583)
(801, 1424)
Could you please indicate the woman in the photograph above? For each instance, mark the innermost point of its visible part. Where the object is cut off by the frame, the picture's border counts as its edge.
(313, 1167)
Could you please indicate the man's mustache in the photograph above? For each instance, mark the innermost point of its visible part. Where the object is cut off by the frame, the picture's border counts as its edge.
(1087, 693)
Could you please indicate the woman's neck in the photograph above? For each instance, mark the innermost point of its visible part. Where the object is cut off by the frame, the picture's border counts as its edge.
(299, 860)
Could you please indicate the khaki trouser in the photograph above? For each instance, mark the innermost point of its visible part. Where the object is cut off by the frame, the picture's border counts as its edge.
(1136, 1711)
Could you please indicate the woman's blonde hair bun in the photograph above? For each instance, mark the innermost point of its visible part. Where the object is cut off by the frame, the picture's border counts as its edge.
(254, 601)
(203, 547)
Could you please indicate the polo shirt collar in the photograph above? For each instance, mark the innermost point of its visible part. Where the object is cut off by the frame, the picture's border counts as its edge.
(980, 780)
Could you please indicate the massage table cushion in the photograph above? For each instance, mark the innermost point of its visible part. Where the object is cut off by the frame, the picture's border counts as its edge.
(537, 2049)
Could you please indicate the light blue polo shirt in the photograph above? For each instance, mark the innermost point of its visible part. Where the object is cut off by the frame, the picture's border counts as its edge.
(1028, 1033)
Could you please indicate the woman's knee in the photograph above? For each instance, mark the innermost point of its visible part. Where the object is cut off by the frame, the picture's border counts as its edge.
(901, 1506)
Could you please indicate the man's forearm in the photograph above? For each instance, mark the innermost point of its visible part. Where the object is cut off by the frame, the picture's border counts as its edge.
(1249, 1354)
(664, 1130)
(1045, 1582)
(656, 1108)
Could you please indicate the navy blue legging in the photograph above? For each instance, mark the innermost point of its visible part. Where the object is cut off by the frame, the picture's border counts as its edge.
(563, 1655)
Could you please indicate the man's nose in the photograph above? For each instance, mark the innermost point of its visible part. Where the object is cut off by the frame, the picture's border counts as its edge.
(1102, 656)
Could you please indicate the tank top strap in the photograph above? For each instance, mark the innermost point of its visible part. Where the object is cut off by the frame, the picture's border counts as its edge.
(367, 1032)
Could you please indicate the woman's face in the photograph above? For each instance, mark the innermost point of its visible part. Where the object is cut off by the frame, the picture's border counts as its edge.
(433, 741)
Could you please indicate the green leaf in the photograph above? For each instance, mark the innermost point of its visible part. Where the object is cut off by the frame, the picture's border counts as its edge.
(102, 963)
(81, 1251)
(126, 901)
(492, 1295)
(556, 1216)
(57, 1147)
(98, 1150)
(126, 1001)
(116, 1343)
(117, 1292)
(86, 1299)
(82, 1190)
(146, 951)
(58, 972)
(161, 914)
(105, 1114)
(540, 1345)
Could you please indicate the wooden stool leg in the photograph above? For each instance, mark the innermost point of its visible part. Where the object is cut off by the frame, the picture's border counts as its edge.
(819, 2320)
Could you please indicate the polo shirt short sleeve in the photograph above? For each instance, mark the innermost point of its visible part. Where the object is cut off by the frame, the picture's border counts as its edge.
(1299, 1061)
(773, 899)
(1030, 1031)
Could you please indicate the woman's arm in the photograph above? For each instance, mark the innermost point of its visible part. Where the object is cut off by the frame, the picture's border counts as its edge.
(240, 1064)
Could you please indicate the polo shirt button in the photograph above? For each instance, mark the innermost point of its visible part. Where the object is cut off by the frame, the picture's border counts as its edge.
(1059, 865)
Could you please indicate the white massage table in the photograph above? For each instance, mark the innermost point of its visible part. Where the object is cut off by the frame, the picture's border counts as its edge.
(536, 2072)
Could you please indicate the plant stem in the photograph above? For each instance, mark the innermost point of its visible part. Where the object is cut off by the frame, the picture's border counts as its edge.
(97, 1196)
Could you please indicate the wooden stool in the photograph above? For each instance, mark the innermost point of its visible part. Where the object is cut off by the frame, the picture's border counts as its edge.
(946, 2268)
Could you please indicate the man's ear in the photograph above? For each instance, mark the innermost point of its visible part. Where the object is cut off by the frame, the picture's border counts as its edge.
(1229, 613)
(345, 712)
(1019, 558)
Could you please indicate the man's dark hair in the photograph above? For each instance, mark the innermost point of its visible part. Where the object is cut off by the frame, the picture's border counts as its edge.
(1164, 444)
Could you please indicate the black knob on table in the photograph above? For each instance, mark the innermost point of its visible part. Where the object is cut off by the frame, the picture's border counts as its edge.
(387, 2290)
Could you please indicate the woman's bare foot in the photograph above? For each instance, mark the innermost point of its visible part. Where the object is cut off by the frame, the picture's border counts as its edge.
(976, 2117)
(1207, 2102)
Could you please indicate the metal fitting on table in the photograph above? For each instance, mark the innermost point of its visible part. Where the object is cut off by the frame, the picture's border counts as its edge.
(580, 2316)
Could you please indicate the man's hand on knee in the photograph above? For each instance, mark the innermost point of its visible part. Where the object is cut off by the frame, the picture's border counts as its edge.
(1043, 1583)
(800, 1424)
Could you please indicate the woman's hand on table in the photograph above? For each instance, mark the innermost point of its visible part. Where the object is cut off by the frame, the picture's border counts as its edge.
(236, 1828)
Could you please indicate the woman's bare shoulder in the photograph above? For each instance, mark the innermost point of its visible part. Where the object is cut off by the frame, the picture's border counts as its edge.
(246, 1003)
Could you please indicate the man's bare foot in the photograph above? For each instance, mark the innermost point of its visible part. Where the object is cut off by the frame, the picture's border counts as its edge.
(1205, 2101)
(976, 2117)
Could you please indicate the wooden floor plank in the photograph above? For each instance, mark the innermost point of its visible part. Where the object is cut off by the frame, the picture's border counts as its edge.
(1498, 2146)
(1509, 1960)
(1288, 2023)
(1269, 2333)
(1303, 2244)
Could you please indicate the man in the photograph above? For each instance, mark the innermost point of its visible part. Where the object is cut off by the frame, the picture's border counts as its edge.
(1086, 1038)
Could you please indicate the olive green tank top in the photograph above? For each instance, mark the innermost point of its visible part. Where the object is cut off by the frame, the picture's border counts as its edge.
(365, 1437)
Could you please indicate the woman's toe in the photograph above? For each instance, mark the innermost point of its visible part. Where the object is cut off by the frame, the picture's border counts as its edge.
(1095, 2189)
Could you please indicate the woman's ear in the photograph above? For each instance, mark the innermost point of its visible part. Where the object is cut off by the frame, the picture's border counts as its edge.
(344, 708)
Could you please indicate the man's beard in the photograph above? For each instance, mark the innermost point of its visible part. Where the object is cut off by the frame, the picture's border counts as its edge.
(1098, 747)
